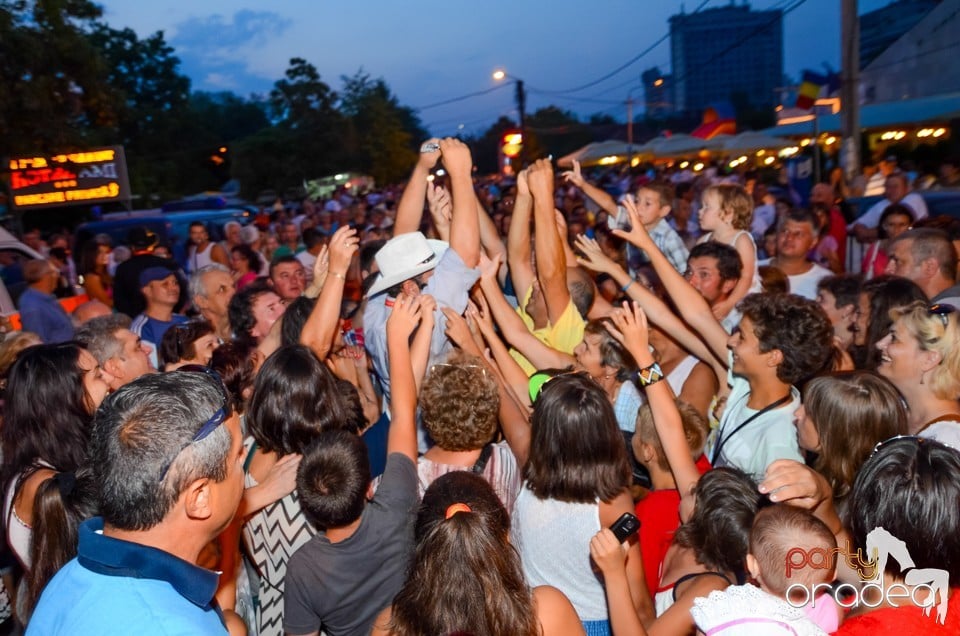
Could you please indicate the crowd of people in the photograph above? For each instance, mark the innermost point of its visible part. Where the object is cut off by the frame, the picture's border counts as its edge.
(421, 410)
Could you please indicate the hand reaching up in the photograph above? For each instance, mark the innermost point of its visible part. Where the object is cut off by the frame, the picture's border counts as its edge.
(343, 244)
(593, 257)
(428, 160)
(540, 179)
(574, 176)
(456, 157)
(629, 327)
(523, 187)
(441, 207)
(609, 554)
(638, 234)
(488, 267)
(405, 317)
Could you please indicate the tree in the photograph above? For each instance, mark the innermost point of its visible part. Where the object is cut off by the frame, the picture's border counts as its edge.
(54, 91)
(383, 137)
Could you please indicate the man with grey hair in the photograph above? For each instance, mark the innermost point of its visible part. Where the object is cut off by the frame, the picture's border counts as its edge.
(167, 459)
(116, 348)
(927, 256)
(211, 288)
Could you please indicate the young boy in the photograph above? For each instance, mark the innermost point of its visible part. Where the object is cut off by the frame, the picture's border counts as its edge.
(342, 578)
(653, 203)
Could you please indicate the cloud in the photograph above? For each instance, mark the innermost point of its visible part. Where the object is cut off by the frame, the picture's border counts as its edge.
(217, 51)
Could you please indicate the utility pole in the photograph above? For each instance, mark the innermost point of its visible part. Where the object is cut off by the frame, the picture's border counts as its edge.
(629, 129)
(522, 108)
(850, 88)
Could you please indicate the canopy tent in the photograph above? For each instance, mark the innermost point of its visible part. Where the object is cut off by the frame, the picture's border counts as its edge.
(680, 145)
(596, 152)
(752, 141)
(906, 112)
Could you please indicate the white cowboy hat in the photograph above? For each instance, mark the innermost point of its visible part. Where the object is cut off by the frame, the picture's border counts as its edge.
(403, 257)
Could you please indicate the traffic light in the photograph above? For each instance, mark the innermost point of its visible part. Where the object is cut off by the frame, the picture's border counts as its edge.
(512, 144)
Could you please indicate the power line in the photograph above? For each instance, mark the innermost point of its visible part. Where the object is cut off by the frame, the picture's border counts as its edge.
(623, 66)
(461, 98)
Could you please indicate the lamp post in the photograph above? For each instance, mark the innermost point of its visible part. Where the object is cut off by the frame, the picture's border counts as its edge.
(521, 97)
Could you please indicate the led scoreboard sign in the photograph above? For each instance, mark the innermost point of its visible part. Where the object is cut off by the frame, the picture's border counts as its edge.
(92, 176)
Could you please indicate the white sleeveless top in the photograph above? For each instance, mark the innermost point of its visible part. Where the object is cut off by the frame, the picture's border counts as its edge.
(197, 259)
(680, 373)
(553, 538)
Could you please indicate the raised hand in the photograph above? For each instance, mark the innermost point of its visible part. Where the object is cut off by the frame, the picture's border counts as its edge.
(321, 266)
(428, 160)
(428, 308)
(459, 332)
(540, 179)
(405, 317)
(638, 234)
(593, 257)
(456, 157)
(574, 176)
(609, 554)
(441, 206)
(489, 267)
(343, 244)
(629, 326)
(795, 483)
(523, 187)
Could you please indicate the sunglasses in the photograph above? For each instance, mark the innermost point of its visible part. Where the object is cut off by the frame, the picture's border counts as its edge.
(213, 423)
(895, 438)
(942, 311)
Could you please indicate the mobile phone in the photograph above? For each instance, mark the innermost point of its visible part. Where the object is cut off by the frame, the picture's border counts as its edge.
(430, 146)
(621, 221)
(625, 526)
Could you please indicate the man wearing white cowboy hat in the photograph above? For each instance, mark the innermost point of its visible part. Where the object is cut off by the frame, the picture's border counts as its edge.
(412, 264)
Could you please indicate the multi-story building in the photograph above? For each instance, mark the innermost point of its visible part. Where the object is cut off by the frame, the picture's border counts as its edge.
(726, 54)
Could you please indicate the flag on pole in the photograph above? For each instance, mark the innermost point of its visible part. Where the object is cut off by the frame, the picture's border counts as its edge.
(810, 89)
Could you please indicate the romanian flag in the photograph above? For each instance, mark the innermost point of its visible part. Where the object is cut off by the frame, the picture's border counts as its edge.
(810, 89)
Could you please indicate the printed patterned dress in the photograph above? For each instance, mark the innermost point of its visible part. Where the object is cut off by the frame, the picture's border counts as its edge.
(272, 535)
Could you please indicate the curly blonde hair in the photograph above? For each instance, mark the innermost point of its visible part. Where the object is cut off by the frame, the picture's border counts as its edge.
(460, 403)
(734, 201)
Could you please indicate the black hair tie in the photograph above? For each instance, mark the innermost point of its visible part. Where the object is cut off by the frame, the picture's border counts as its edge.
(66, 483)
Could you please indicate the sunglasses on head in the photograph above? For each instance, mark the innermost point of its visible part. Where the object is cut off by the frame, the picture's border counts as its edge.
(942, 311)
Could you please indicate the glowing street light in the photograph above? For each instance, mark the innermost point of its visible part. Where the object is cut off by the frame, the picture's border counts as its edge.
(521, 97)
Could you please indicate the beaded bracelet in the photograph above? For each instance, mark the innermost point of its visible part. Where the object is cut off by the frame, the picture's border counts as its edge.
(650, 375)
(627, 286)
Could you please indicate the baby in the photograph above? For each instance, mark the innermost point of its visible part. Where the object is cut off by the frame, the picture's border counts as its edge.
(792, 559)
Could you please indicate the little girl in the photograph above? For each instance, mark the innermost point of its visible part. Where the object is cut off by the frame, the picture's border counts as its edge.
(725, 216)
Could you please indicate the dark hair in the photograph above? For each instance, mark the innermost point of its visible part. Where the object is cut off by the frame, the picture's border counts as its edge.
(247, 253)
(61, 503)
(773, 280)
(144, 429)
(465, 576)
(852, 412)
(729, 264)
(795, 326)
(236, 364)
(885, 292)
(333, 478)
(577, 452)
(718, 531)
(612, 353)
(294, 318)
(931, 242)
(909, 488)
(800, 215)
(891, 210)
(240, 309)
(845, 288)
(311, 237)
(460, 403)
(88, 259)
(295, 397)
(280, 260)
(47, 413)
(368, 253)
(582, 289)
(178, 342)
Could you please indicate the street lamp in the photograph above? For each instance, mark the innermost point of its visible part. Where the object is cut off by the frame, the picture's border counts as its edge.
(521, 97)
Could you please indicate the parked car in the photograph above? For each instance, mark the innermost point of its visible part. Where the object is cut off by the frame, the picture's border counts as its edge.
(172, 228)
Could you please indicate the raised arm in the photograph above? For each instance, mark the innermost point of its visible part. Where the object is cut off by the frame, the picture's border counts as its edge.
(748, 259)
(410, 207)
(420, 348)
(696, 311)
(441, 210)
(464, 226)
(404, 318)
(518, 238)
(491, 242)
(322, 323)
(631, 330)
(514, 330)
(551, 259)
(595, 194)
(656, 310)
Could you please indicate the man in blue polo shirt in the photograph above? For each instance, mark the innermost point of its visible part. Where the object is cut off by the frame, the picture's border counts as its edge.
(161, 290)
(166, 453)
